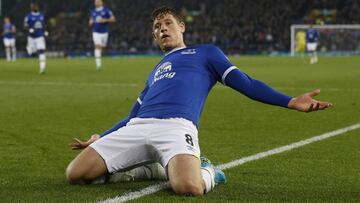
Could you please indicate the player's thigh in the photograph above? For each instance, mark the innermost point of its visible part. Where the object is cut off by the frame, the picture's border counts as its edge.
(6, 42)
(125, 148)
(31, 44)
(96, 39)
(172, 137)
(87, 165)
(184, 173)
(13, 43)
(40, 43)
(30, 41)
(311, 46)
(104, 39)
(300, 47)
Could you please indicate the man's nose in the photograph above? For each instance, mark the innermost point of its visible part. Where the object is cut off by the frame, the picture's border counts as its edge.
(163, 28)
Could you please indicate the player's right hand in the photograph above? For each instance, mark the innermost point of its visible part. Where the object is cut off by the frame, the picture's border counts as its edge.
(78, 144)
(31, 30)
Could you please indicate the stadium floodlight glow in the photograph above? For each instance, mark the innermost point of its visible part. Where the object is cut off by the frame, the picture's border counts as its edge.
(337, 39)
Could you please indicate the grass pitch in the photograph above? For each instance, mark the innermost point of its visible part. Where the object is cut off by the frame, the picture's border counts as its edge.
(40, 114)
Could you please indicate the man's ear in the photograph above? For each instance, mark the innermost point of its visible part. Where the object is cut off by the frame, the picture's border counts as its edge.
(182, 27)
(153, 34)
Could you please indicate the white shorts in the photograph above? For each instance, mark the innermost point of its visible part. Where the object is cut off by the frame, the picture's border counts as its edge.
(9, 42)
(35, 44)
(147, 140)
(311, 46)
(100, 38)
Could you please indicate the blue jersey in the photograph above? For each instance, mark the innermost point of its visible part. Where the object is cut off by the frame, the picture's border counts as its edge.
(179, 85)
(312, 35)
(35, 22)
(8, 31)
(97, 14)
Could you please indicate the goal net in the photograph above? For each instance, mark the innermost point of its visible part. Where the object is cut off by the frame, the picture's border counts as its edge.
(333, 39)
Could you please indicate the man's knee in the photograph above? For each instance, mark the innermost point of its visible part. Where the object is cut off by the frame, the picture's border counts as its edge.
(185, 176)
(188, 188)
(73, 176)
(87, 166)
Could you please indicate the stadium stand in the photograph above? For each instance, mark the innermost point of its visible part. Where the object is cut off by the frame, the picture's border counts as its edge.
(238, 27)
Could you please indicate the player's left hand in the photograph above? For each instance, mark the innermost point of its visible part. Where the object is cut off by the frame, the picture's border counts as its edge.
(306, 103)
(78, 144)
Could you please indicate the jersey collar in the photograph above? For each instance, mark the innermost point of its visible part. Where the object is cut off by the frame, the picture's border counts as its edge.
(99, 9)
(175, 50)
(35, 13)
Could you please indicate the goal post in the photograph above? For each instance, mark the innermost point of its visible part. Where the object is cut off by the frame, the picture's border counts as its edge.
(334, 39)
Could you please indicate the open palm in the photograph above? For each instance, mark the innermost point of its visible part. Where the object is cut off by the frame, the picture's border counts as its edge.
(306, 103)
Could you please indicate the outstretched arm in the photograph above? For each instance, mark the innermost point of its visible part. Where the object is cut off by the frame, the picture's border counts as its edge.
(225, 72)
(255, 89)
(259, 91)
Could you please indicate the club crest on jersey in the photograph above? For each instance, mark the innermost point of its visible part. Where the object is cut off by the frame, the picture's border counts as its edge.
(189, 51)
(164, 71)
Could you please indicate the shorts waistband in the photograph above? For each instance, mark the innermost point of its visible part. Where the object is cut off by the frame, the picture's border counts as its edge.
(181, 121)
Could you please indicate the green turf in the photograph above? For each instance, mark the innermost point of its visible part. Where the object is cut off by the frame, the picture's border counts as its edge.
(40, 114)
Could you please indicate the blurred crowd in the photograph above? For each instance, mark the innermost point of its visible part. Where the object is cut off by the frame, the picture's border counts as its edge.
(237, 26)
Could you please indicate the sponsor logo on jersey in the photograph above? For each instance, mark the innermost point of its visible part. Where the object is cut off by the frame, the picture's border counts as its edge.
(164, 71)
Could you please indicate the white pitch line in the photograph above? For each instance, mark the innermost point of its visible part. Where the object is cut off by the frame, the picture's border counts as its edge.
(134, 195)
(156, 188)
(288, 147)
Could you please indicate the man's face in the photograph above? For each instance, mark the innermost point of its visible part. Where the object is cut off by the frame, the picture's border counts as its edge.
(98, 3)
(34, 7)
(168, 32)
(6, 20)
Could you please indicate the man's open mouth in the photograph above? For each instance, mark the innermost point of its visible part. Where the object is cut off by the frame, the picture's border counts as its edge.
(165, 36)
